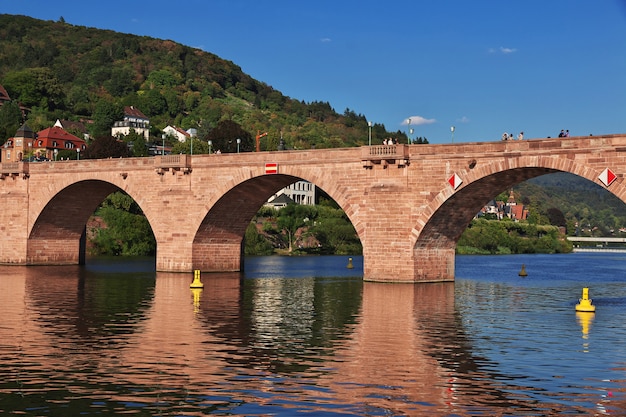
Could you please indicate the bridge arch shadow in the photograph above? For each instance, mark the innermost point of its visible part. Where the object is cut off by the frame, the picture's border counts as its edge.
(58, 235)
(448, 215)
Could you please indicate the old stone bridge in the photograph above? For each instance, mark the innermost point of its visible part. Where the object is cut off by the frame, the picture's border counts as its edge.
(408, 203)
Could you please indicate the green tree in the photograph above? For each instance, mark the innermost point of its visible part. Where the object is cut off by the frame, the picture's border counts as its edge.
(127, 231)
(137, 143)
(121, 81)
(199, 147)
(10, 120)
(291, 218)
(35, 87)
(224, 137)
(255, 244)
(106, 147)
(105, 115)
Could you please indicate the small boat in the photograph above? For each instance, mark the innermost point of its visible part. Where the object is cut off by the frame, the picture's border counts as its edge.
(584, 303)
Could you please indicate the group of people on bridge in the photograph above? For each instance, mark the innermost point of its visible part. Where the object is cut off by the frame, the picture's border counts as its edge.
(390, 141)
(509, 136)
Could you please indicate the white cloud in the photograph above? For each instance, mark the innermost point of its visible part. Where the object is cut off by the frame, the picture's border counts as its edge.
(463, 119)
(417, 121)
(502, 50)
(325, 40)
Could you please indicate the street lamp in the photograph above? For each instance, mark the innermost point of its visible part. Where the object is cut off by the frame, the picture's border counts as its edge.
(163, 148)
(55, 152)
(78, 154)
(452, 128)
(191, 145)
(408, 139)
(210, 144)
(369, 124)
(238, 142)
(410, 135)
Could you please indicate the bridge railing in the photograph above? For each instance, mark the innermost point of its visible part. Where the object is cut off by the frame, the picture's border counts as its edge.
(385, 155)
(177, 162)
(14, 169)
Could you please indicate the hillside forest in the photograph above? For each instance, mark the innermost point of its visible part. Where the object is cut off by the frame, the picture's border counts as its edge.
(56, 70)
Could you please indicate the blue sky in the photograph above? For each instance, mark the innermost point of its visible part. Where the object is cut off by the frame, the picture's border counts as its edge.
(485, 66)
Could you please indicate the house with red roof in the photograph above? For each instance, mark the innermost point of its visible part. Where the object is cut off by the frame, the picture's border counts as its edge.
(54, 139)
(45, 145)
(69, 125)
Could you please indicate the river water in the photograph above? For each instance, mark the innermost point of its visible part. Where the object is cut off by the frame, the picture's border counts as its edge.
(306, 336)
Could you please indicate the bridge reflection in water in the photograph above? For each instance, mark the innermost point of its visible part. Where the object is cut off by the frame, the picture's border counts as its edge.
(87, 342)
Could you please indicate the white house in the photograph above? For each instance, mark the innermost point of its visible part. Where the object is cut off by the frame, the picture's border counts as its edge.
(301, 192)
(180, 134)
(133, 119)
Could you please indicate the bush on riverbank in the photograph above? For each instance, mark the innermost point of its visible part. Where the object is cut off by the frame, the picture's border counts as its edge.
(490, 237)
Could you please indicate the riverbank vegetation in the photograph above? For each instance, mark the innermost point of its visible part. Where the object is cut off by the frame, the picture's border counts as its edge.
(119, 228)
(496, 237)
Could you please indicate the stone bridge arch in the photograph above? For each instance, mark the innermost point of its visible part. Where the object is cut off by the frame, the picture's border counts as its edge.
(444, 220)
(58, 230)
(59, 215)
(218, 241)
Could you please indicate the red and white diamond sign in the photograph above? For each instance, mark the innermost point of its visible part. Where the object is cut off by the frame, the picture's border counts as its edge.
(455, 181)
(607, 177)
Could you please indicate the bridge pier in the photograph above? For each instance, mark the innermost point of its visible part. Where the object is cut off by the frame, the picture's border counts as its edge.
(218, 257)
(434, 264)
(419, 265)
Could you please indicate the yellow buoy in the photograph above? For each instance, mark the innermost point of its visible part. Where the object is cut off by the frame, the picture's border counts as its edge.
(350, 266)
(584, 303)
(196, 280)
(523, 273)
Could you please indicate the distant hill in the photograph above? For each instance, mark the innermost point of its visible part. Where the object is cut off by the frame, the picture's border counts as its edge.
(64, 71)
(578, 199)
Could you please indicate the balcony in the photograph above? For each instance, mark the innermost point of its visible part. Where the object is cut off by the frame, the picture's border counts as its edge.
(174, 163)
(14, 169)
(385, 155)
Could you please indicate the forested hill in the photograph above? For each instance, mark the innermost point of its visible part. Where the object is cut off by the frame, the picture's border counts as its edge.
(63, 71)
(564, 199)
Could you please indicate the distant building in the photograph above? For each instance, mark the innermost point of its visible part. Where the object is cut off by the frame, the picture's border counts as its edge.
(301, 192)
(57, 139)
(180, 134)
(20, 146)
(69, 125)
(279, 201)
(27, 144)
(510, 209)
(133, 119)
